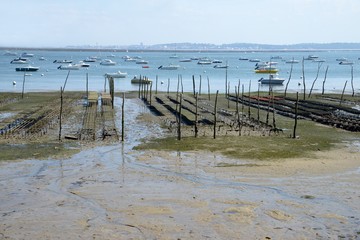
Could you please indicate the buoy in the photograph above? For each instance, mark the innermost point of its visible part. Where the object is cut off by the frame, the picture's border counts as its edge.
(162, 82)
(14, 83)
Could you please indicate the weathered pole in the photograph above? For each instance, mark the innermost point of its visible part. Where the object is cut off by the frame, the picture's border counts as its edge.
(200, 86)
(215, 112)
(317, 75)
(323, 85)
(296, 114)
(208, 81)
(179, 121)
(60, 114)
(156, 85)
(193, 80)
(122, 118)
(342, 94)
(168, 88)
(196, 115)
(352, 80)
(303, 77)
(23, 87)
(66, 79)
(287, 84)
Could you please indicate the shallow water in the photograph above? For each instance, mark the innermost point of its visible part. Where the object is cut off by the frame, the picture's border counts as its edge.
(114, 192)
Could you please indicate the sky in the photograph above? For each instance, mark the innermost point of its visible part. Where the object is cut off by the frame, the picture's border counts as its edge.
(51, 23)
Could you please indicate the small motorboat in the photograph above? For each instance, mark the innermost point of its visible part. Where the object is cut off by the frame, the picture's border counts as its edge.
(346, 63)
(27, 69)
(142, 62)
(19, 61)
(221, 66)
(117, 74)
(62, 61)
(69, 67)
(107, 62)
(272, 79)
(169, 67)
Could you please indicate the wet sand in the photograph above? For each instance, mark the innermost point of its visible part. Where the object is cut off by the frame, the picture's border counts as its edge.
(114, 192)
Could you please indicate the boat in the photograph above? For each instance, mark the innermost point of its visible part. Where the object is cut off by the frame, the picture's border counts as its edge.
(137, 80)
(266, 70)
(217, 61)
(254, 60)
(221, 66)
(19, 61)
(311, 57)
(25, 55)
(62, 61)
(142, 62)
(90, 59)
(27, 69)
(185, 60)
(204, 62)
(169, 67)
(342, 59)
(292, 61)
(145, 66)
(42, 58)
(107, 62)
(130, 59)
(272, 79)
(276, 57)
(117, 74)
(83, 64)
(69, 67)
(243, 59)
(174, 56)
(346, 63)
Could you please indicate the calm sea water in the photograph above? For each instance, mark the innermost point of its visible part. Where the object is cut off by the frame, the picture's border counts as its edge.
(51, 78)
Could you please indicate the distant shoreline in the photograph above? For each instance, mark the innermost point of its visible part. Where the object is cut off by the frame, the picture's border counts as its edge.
(106, 49)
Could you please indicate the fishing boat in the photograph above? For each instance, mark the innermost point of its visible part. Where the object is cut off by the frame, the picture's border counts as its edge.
(19, 61)
(137, 80)
(272, 79)
(117, 74)
(346, 63)
(62, 61)
(142, 62)
(169, 67)
(266, 70)
(27, 69)
(221, 66)
(69, 67)
(107, 62)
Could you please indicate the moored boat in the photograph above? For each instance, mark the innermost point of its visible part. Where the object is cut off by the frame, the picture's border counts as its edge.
(107, 62)
(19, 61)
(272, 79)
(266, 70)
(69, 67)
(62, 61)
(27, 69)
(117, 74)
(142, 62)
(346, 63)
(169, 67)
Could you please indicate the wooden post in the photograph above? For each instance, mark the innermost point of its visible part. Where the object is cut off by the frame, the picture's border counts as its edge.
(196, 115)
(258, 104)
(122, 118)
(291, 69)
(168, 88)
(23, 87)
(66, 79)
(156, 86)
(182, 85)
(150, 93)
(249, 112)
(208, 81)
(352, 80)
(237, 107)
(303, 76)
(296, 114)
(323, 85)
(317, 75)
(139, 88)
(342, 94)
(215, 113)
(179, 121)
(200, 87)
(61, 108)
(105, 84)
(87, 86)
(226, 84)
(228, 92)
(193, 80)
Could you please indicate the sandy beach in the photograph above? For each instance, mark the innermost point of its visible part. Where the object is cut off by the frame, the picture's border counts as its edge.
(115, 192)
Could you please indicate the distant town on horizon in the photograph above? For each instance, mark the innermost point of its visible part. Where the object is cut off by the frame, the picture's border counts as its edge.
(209, 47)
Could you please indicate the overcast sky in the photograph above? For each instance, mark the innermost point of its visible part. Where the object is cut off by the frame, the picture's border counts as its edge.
(51, 23)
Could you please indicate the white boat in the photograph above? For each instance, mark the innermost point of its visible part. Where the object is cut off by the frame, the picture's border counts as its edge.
(42, 59)
(27, 55)
(221, 66)
(142, 62)
(130, 59)
(62, 61)
(254, 60)
(19, 61)
(311, 57)
(204, 62)
(243, 59)
(69, 67)
(342, 59)
(83, 64)
(90, 59)
(272, 79)
(292, 61)
(185, 60)
(107, 62)
(27, 69)
(169, 67)
(217, 61)
(117, 74)
(346, 63)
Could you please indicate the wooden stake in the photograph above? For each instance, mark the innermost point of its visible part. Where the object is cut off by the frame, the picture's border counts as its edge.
(23, 87)
(168, 88)
(352, 80)
(291, 69)
(200, 87)
(215, 112)
(208, 81)
(60, 115)
(193, 80)
(323, 85)
(196, 115)
(156, 86)
(122, 118)
(296, 114)
(303, 76)
(179, 112)
(342, 94)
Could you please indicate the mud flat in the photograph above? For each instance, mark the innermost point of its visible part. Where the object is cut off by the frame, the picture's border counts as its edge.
(116, 192)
